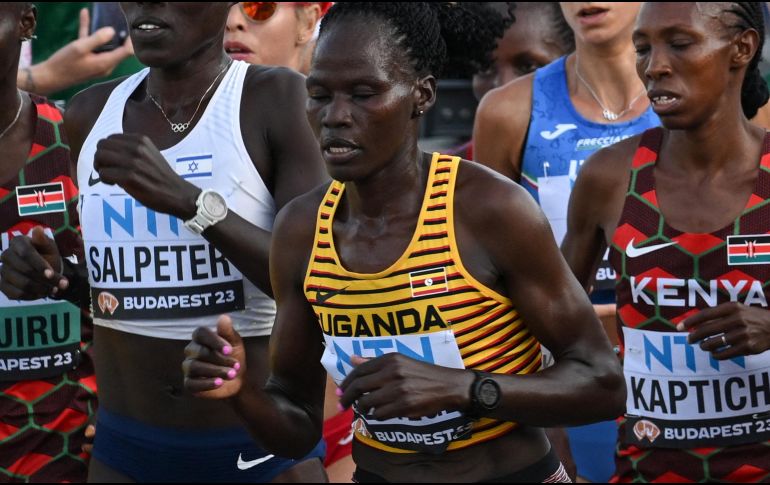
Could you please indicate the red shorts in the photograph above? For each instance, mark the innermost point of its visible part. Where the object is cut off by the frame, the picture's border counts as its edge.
(338, 434)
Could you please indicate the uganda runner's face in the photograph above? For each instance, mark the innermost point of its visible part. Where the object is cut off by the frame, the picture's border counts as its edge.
(169, 33)
(361, 98)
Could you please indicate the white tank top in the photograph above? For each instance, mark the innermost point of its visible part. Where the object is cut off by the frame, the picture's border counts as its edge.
(150, 275)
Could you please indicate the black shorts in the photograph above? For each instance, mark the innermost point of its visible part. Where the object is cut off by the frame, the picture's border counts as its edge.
(546, 470)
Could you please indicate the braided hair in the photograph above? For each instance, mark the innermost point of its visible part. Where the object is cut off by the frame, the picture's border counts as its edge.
(754, 92)
(454, 39)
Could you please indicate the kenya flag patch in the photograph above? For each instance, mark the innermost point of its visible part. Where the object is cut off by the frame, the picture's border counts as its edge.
(743, 250)
(40, 199)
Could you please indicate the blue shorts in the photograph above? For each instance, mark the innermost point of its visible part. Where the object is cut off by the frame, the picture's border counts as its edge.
(148, 453)
(593, 449)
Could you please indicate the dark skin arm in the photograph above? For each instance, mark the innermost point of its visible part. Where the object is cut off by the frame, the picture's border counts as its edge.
(291, 404)
(595, 206)
(500, 127)
(499, 134)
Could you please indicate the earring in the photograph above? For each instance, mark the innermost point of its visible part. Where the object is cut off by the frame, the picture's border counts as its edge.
(31, 37)
(419, 113)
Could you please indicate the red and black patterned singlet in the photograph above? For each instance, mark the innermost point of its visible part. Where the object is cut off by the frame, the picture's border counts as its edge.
(47, 384)
(689, 417)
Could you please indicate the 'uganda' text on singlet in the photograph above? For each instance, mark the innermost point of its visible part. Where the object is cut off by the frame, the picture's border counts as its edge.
(149, 274)
(558, 141)
(47, 384)
(425, 306)
(689, 416)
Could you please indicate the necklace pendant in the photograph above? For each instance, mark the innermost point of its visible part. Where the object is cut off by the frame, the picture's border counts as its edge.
(609, 115)
(179, 127)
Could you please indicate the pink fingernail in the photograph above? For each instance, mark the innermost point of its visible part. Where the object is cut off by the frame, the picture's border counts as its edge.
(64, 284)
(237, 366)
(218, 382)
(340, 408)
(227, 350)
(48, 273)
(339, 392)
(231, 374)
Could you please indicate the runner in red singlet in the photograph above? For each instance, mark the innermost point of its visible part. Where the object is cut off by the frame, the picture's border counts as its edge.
(684, 211)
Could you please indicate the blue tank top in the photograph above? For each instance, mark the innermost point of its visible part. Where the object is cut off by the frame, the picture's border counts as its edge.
(559, 140)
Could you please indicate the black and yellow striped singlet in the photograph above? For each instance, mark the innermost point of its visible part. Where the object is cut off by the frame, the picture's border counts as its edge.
(427, 306)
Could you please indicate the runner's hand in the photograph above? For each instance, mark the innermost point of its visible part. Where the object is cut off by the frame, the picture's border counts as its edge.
(394, 386)
(31, 268)
(746, 330)
(215, 362)
(135, 164)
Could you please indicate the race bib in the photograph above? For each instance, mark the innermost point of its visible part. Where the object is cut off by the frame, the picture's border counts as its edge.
(145, 265)
(429, 434)
(554, 193)
(38, 340)
(680, 397)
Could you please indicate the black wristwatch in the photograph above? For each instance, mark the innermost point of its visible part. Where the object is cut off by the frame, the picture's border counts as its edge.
(485, 395)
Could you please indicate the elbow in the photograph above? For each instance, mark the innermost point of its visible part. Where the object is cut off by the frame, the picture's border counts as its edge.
(612, 387)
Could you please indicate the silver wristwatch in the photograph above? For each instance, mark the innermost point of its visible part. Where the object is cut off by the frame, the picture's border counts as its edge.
(212, 208)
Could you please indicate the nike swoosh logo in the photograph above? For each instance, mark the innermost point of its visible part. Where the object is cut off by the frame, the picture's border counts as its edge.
(634, 252)
(93, 181)
(560, 130)
(324, 297)
(245, 465)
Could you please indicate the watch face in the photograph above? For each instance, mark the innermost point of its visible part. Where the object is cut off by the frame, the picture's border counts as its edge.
(215, 205)
(488, 394)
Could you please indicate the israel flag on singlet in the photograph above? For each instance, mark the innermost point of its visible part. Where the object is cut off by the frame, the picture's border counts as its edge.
(195, 167)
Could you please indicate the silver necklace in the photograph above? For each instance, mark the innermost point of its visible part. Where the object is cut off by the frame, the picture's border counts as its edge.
(608, 114)
(15, 118)
(182, 127)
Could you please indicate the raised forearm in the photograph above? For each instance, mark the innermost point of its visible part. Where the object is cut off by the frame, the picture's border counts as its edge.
(246, 246)
(563, 395)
